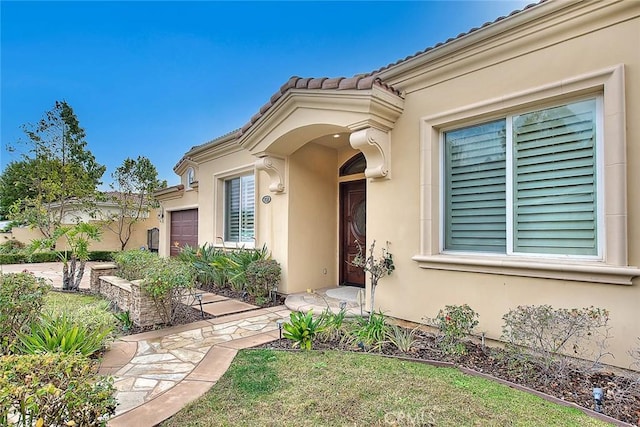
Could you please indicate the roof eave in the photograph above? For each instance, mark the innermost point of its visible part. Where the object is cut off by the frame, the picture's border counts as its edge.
(529, 14)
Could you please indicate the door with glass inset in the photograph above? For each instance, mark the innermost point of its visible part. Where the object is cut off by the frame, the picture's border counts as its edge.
(353, 227)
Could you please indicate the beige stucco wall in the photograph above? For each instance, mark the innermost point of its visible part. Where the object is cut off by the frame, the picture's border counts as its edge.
(499, 68)
(540, 52)
(109, 240)
(313, 213)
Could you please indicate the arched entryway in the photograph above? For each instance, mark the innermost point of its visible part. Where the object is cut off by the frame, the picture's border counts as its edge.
(353, 219)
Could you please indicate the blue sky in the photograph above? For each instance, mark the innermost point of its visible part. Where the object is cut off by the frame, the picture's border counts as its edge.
(156, 78)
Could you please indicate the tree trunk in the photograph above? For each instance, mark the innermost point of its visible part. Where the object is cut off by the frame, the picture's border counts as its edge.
(72, 274)
(66, 281)
(79, 275)
(374, 283)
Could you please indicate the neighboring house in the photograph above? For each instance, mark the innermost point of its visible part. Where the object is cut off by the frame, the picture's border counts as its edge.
(499, 166)
(102, 211)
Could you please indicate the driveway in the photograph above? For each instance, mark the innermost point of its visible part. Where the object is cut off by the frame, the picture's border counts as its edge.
(52, 271)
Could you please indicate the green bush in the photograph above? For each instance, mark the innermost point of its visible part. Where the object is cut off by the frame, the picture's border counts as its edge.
(262, 277)
(13, 258)
(49, 256)
(455, 322)
(62, 334)
(54, 389)
(11, 246)
(101, 255)
(302, 329)
(334, 324)
(94, 312)
(207, 262)
(167, 283)
(368, 333)
(21, 297)
(235, 263)
(135, 264)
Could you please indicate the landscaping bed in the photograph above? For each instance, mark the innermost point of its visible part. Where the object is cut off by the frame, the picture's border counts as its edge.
(622, 389)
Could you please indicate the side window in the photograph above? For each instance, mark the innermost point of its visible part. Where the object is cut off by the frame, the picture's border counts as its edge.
(191, 177)
(239, 212)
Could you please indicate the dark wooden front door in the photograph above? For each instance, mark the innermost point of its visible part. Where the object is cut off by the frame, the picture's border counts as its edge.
(353, 223)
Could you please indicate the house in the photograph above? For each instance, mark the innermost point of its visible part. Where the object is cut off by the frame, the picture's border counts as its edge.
(105, 213)
(497, 167)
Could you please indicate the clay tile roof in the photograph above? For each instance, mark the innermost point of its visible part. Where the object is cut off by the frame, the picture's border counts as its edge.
(472, 30)
(357, 82)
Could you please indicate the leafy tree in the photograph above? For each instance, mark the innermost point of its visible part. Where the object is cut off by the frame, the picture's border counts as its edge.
(63, 173)
(77, 239)
(16, 184)
(134, 183)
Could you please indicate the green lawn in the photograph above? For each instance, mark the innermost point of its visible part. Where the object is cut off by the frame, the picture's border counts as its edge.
(331, 388)
(89, 310)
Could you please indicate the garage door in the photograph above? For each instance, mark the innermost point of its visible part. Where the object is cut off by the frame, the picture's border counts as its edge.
(184, 229)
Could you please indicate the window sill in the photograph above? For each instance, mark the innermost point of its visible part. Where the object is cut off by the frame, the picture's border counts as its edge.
(235, 245)
(581, 272)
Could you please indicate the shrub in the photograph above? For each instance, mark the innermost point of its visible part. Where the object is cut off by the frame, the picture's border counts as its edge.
(334, 325)
(11, 246)
(135, 264)
(13, 258)
(21, 297)
(402, 338)
(62, 335)
(302, 329)
(368, 333)
(47, 256)
(236, 262)
(54, 389)
(101, 255)
(262, 276)
(92, 311)
(167, 283)
(125, 320)
(455, 322)
(207, 262)
(549, 335)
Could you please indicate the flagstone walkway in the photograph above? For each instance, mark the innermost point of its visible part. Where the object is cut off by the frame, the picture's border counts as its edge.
(157, 373)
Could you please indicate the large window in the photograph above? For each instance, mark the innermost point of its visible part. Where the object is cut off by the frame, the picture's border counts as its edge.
(524, 184)
(239, 212)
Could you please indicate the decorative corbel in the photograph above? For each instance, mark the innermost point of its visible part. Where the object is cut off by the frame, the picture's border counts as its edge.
(376, 147)
(274, 167)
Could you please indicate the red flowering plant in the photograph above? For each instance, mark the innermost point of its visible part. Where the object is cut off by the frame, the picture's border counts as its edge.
(455, 322)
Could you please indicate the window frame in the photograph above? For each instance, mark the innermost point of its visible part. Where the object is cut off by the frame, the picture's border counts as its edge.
(613, 267)
(220, 209)
(509, 183)
(226, 213)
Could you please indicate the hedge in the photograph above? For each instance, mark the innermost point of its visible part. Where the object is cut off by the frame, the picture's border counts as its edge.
(50, 257)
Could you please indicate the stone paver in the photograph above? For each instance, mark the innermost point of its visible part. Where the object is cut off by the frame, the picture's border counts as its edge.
(227, 307)
(156, 373)
(318, 301)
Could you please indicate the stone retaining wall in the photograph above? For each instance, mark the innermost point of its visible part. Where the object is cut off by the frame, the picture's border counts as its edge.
(128, 296)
